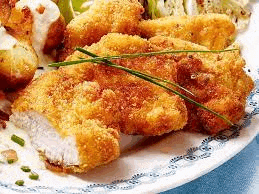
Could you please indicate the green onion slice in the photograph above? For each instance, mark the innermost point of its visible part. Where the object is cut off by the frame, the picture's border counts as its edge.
(18, 140)
(34, 176)
(19, 182)
(25, 169)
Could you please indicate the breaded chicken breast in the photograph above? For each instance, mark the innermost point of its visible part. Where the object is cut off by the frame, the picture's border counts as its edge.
(215, 31)
(103, 16)
(93, 102)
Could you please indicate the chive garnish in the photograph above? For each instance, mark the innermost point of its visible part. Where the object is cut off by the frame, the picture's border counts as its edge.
(66, 63)
(133, 55)
(19, 182)
(34, 176)
(149, 78)
(25, 169)
(10, 161)
(18, 140)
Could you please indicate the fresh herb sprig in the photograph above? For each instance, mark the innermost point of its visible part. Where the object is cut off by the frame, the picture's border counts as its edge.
(66, 63)
(134, 55)
(104, 61)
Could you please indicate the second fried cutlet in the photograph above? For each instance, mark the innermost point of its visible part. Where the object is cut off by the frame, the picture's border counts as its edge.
(215, 31)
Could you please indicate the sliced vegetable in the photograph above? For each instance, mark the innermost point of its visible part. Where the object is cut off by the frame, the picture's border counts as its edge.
(18, 140)
(19, 182)
(10, 161)
(34, 176)
(82, 5)
(25, 169)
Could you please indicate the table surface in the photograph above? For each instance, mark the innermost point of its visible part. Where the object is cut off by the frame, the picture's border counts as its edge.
(238, 175)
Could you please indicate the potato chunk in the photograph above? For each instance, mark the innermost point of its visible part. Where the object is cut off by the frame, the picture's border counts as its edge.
(17, 65)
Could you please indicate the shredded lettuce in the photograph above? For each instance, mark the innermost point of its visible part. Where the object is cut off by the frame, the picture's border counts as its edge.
(162, 8)
(82, 5)
(66, 9)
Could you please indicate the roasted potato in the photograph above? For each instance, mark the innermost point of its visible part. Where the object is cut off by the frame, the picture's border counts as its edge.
(20, 25)
(17, 65)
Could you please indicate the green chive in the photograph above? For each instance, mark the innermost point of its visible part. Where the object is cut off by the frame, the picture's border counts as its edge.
(18, 140)
(26, 169)
(135, 55)
(34, 176)
(10, 161)
(19, 182)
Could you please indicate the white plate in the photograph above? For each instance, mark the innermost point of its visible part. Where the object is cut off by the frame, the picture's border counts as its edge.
(146, 165)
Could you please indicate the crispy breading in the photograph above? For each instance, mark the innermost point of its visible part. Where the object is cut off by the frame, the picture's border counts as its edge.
(103, 16)
(215, 31)
(217, 79)
(5, 11)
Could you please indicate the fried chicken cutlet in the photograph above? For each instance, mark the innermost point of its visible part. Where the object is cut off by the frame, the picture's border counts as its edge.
(89, 104)
(215, 31)
(103, 16)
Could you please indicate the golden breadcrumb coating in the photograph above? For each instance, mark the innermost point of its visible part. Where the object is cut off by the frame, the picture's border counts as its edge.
(5, 11)
(103, 16)
(217, 79)
(215, 31)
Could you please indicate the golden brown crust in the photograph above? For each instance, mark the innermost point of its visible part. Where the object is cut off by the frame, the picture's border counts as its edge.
(215, 31)
(5, 11)
(96, 144)
(218, 81)
(102, 17)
